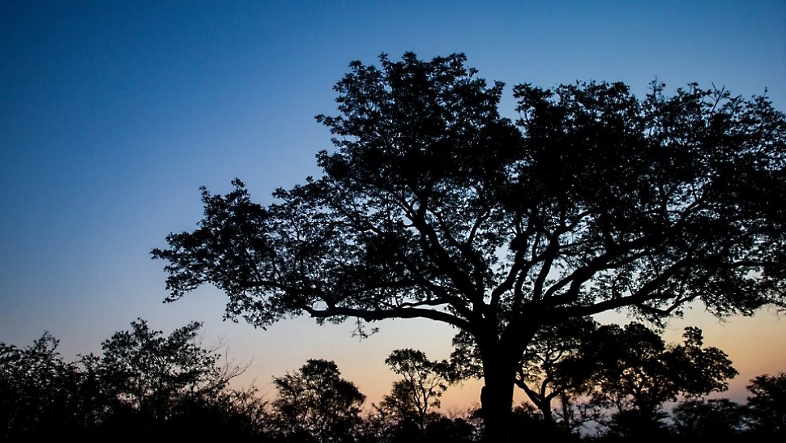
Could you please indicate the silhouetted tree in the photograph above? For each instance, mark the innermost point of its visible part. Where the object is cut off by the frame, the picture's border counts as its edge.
(636, 372)
(708, 419)
(434, 206)
(148, 373)
(552, 367)
(418, 393)
(767, 404)
(148, 384)
(144, 384)
(316, 404)
(40, 394)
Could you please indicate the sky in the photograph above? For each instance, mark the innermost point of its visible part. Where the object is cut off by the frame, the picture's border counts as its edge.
(114, 113)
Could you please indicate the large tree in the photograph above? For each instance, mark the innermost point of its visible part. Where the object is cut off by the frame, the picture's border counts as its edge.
(433, 205)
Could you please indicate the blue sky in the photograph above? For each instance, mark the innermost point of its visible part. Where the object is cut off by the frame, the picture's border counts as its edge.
(114, 113)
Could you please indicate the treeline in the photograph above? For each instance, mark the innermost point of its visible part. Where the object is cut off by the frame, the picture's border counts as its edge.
(611, 385)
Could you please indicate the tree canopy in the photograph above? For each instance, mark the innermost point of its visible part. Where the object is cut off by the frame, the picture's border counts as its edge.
(634, 371)
(149, 373)
(768, 403)
(434, 205)
(315, 402)
(417, 393)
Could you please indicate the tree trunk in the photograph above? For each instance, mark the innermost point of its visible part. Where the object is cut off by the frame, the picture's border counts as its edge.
(496, 399)
(545, 409)
(501, 358)
(496, 404)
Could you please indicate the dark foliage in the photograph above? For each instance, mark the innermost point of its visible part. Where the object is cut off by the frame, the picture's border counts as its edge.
(767, 404)
(43, 397)
(416, 395)
(144, 386)
(316, 404)
(709, 419)
(634, 370)
(40, 392)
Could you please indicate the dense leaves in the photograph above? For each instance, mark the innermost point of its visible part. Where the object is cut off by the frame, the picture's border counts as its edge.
(635, 372)
(635, 368)
(713, 418)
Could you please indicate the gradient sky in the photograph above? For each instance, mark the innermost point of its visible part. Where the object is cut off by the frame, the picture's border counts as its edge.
(113, 113)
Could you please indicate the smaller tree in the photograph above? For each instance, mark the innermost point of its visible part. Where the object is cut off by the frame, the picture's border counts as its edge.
(709, 419)
(636, 372)
(767, 403)
(418, 393)
(38, 391)
(148, 373)
(553, 367)
(698, 370)
(316, 403)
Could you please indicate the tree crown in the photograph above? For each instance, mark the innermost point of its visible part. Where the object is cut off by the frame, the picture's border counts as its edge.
(433, 205)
